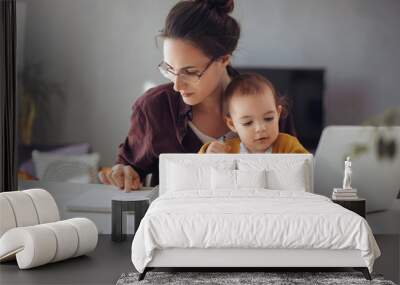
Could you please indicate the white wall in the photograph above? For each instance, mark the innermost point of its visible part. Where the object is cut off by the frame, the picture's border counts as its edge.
(101, 52)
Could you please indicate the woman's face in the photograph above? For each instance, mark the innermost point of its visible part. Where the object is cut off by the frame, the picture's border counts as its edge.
(181, 57)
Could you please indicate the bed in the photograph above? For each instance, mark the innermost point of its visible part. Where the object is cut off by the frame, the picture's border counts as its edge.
(247, 210)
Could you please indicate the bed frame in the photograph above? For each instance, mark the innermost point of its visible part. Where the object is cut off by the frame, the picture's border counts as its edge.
(247, 259)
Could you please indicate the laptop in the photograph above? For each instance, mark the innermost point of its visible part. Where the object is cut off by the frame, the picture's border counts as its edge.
(377, 178)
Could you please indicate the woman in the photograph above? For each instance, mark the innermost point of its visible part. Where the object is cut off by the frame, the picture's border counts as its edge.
(199, 39)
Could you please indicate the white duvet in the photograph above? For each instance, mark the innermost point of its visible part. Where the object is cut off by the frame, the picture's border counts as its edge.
(253, 218)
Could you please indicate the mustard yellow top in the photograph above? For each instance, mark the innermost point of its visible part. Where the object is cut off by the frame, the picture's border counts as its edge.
(284, 144)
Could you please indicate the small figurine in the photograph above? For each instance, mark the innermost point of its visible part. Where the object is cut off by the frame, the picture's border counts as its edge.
(347, 174)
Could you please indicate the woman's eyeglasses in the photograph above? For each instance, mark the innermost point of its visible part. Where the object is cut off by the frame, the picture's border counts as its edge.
(185, 75)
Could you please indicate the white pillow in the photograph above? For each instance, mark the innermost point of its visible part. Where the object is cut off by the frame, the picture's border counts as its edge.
(282, 174)
(223, 179)
(183, 178)
(236, 179)
(293, 179)
(192, 175)
(66, 168)
(251, 178)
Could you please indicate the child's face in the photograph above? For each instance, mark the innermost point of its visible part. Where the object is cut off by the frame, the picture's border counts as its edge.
(255, 118)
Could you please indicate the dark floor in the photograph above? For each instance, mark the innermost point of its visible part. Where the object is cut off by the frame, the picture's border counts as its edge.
(111, 259)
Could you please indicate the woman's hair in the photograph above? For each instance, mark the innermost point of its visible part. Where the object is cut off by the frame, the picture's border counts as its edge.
(250, 84)
(206, 24)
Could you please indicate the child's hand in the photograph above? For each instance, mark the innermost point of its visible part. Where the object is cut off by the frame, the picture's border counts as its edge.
(218, 147)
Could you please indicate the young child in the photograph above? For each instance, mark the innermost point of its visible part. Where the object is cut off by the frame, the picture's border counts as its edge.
(252, 109)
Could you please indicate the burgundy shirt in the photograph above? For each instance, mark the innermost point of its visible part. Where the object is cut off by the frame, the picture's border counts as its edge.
(159, 124)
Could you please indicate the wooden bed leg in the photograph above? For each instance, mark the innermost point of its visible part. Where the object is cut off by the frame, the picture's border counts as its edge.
(143, 274)
(364, 271)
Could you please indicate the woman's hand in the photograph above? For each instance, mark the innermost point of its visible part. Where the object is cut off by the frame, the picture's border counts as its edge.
(122, 176)
(217, 147)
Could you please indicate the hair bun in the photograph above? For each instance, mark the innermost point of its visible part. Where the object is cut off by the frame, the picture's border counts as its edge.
(221, 6)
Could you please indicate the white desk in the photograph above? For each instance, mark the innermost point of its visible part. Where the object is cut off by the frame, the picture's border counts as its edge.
(92, 201)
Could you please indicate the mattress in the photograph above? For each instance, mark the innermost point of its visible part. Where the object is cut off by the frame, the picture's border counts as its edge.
(250, 219)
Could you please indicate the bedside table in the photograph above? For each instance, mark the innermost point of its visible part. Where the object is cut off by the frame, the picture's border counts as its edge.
(358, 205)
(137, 201)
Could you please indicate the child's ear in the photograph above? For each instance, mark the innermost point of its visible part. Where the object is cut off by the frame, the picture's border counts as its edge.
(229, 123)
(279, 110)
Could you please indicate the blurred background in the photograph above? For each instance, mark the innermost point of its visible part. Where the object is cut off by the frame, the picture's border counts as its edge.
(82, 64)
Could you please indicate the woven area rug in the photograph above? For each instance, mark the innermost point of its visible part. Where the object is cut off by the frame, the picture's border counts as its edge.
(225, 278)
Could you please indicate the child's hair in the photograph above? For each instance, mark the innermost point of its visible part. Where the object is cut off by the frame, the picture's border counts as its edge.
(248, 84)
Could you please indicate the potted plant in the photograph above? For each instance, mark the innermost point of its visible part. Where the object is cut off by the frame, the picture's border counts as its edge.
(386, 147)
(34, 97)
